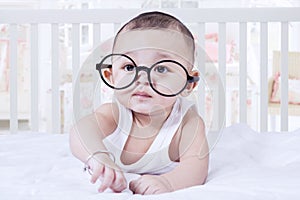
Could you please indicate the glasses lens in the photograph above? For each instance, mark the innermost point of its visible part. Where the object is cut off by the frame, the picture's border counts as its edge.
(118, 71)
(168, 78)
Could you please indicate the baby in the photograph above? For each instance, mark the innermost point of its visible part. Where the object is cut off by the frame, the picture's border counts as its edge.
(150, 128)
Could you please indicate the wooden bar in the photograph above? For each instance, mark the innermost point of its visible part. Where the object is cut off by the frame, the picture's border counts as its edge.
(284, 77)
(222, 73)
(263, 76)
(13, 75)
(55, 80)
(187, 15)
(117, 26)
(96, 43)
(76, 70)
(34, 71)
(243, 73)
(200, 64)
(96, 34)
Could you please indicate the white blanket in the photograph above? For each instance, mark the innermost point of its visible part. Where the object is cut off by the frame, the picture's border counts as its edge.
(243, 165)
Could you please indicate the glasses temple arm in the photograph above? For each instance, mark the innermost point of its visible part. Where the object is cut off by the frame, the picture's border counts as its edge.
(192, 79)
(100, 66)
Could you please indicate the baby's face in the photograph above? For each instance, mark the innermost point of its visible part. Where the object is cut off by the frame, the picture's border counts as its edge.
(146, 50)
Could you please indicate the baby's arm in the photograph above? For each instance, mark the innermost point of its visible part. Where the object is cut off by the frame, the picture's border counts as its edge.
(193, 150)
(86, 138)
(193, 167)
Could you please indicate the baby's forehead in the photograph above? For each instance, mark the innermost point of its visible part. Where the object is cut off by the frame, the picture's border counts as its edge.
(153, 52)
(166, 42)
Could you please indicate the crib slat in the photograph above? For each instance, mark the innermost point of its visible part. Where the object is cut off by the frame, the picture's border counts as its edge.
(96, 42)
(96, 34)
(13, 37)
(120, 15)
(55, 79)
(201, 67)
(34, 76)
(76, 70)
(284, 77)
(116, 27)
(222, 71)
(264, 76)
(243, 72)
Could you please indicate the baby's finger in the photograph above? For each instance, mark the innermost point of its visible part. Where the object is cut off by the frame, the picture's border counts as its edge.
(132, 185)
(119, 184)
(151, 190)
(108, 177)
(135, 186)
(97, 172)
(141, 188)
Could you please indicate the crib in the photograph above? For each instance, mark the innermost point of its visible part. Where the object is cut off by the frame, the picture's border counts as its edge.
(198, 18)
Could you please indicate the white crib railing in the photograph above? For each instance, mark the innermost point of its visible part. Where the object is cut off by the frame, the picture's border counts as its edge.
(118, 16)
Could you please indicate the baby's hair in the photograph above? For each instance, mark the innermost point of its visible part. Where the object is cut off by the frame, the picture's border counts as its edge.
(156, 20)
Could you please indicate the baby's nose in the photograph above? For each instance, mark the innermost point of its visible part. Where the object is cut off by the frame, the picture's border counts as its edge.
(142, 78)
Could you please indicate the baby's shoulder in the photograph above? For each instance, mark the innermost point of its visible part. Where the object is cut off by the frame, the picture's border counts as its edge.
(107, 108)
(192, 117)
(192, 113)
(108, 112)
(107, 117)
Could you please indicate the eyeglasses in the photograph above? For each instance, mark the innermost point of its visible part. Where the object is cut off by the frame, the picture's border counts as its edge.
(166, 77)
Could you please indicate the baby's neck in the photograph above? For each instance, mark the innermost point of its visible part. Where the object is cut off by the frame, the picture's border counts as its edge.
(153, 119)
(148, 125)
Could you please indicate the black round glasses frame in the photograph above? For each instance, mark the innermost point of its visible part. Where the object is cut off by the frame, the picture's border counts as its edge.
(101, 65)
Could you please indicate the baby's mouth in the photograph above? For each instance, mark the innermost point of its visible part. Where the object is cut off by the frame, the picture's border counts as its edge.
(142, 95)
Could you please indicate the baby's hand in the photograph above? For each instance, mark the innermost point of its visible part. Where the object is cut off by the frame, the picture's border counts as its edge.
(150, 184)
(110, 175)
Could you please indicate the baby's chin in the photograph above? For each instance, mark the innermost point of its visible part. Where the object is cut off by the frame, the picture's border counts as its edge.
(148, 109)
(147, 106)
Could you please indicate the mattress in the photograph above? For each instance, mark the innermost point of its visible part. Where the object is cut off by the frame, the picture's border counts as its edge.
(244, 164)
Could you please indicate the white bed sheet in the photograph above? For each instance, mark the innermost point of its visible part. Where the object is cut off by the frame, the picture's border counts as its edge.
(243, 165)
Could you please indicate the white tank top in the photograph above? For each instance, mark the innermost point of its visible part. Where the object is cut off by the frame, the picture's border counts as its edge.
(156, 160)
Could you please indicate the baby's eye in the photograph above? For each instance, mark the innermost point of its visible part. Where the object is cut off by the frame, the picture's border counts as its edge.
(161, 69)
(129, 68)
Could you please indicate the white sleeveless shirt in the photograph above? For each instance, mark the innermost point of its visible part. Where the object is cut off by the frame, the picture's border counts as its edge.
(156, 160)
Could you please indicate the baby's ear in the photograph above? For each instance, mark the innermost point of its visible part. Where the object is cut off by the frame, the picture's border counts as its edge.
(190, 86)
(107, 73)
